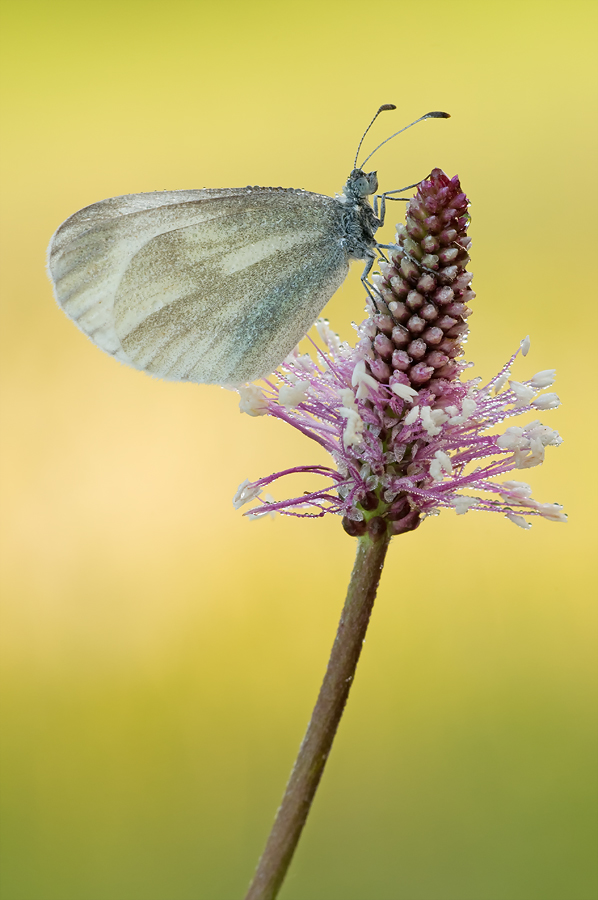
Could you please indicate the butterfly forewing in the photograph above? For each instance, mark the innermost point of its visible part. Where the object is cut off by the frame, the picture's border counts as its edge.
(207, 286)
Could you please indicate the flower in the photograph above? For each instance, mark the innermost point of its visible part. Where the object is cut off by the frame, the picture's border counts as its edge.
(408, 436)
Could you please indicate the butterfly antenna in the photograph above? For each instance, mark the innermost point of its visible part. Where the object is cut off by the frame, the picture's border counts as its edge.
(383, 108)
(430, 115)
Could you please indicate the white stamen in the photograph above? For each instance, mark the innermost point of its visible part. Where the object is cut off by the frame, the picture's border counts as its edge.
(291, 359)
(547, 401)
(469, 407)
(518, 520)
(246, 492)
(525, 345)
(432, 419)
(527, 458)
(543, 379)
(463, 504)
(291, 397)
(403, 391)
(445, 461)
(354, 426)
(412, 416)
(519, 488)
(348, 399)
(252, 400)
(328, 336)
(363, 381)
(436, 470)
(427, 422)
(552, 511)
(508, 441)
(523, 393)
(537, 448)
(547, 435)
(263, 512)
(501, 381)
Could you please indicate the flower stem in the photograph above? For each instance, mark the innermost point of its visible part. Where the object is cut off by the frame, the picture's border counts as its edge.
(326, 716)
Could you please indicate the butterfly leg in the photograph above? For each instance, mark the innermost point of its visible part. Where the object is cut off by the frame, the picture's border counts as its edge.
(370, 288)
(372, 291)
(375, 205)
(387, 196)
(400, 190)
(368, 268)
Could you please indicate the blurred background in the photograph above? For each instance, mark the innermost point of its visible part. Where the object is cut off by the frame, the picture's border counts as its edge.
(162, 653)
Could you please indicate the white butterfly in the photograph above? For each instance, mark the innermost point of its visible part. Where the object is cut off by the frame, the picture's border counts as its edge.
(211, 286)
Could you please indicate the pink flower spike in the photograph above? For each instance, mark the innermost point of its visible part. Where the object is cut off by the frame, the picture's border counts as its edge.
(407, 435)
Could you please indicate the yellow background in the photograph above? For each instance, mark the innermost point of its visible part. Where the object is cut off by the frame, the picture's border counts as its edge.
(162, 653)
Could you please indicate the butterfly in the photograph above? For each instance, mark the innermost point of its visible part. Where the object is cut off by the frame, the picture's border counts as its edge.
(215, 286)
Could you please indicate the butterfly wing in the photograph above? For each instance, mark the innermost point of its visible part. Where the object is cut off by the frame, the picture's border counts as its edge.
(206, 286)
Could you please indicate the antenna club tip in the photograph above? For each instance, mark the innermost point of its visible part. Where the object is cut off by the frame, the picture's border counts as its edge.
(386, 106)
(437, 114)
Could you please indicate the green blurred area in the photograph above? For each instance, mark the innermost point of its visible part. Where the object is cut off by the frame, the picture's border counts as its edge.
(161, 654)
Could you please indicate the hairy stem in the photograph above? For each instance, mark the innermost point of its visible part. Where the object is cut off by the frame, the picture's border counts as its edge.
(314, 750)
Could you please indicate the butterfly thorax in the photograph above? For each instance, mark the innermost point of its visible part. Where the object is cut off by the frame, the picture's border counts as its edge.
(360, 223)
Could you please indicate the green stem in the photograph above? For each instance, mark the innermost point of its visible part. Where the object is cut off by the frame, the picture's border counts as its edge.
(314, 750)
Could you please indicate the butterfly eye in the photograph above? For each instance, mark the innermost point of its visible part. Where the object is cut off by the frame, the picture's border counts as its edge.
(365, 184)
(361, 186)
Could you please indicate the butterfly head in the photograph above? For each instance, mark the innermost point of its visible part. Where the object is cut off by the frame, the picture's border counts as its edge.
(360, 184)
